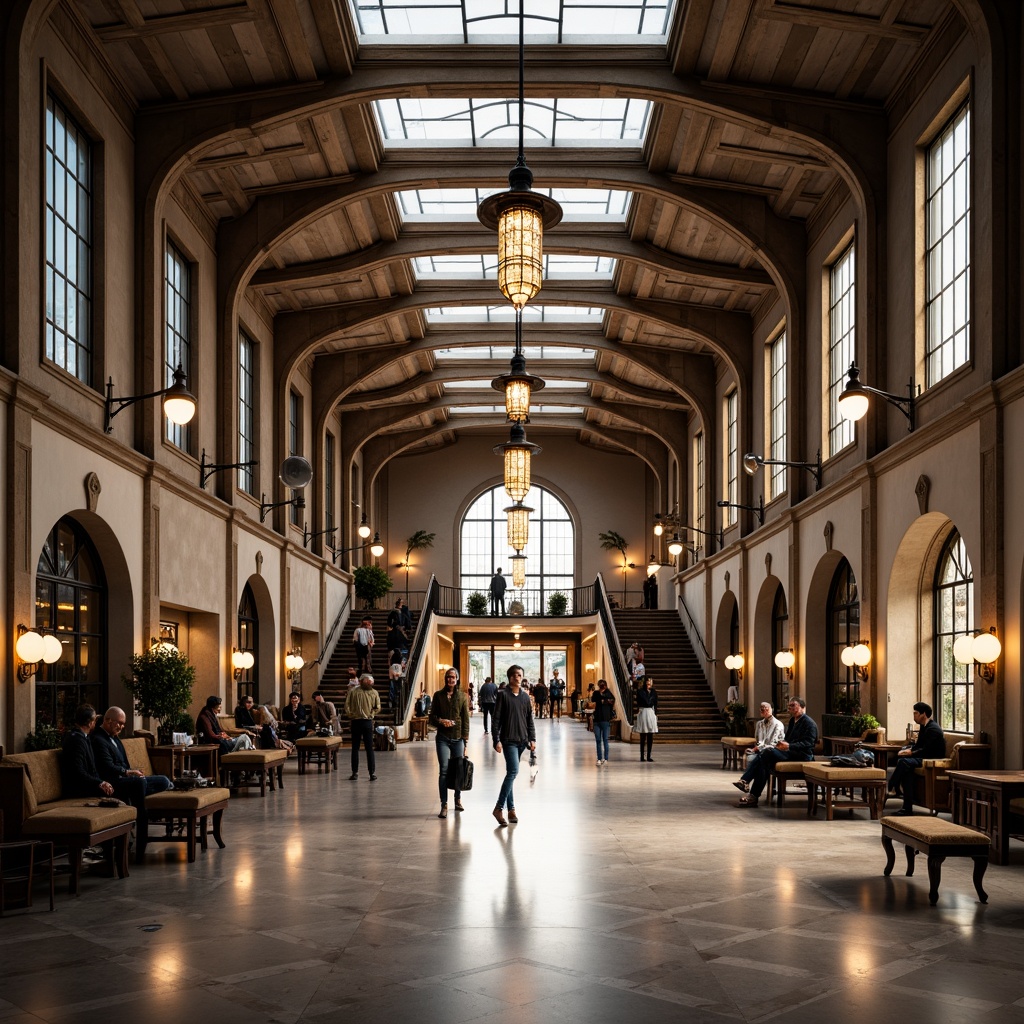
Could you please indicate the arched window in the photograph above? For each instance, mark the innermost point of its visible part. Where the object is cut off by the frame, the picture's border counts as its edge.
(71, 602)
(248, 640)
(780, 642)
(954, 616)
(549, 550)
(842, 694)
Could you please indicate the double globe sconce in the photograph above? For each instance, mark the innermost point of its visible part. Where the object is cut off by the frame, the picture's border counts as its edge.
(34, 649)
(242, 661)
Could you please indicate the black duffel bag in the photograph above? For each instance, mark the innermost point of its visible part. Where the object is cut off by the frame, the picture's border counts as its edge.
(460, 774)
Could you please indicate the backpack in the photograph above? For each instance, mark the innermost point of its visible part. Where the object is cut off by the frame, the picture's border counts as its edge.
(858, 759)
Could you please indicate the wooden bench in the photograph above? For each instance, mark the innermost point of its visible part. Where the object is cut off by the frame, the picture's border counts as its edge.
(260, 765)
(733, 749)
(319, 750)
(937, 839)
(833, 781)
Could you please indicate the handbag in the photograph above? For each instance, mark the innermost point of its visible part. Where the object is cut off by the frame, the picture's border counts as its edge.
(460, 774)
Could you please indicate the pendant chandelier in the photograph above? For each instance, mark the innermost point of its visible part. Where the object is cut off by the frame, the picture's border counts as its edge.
(520, 216)
(517, 384)
(518, 570)
(517, 452)
(518, 519)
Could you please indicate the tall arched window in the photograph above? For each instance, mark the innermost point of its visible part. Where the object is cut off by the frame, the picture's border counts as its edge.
(780, 642)
(71, 602)
(248, 640)
(549, 551)
(842, 621)
(954, 616)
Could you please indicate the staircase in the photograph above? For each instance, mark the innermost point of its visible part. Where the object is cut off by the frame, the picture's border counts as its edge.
(687, 709)
(334, 681)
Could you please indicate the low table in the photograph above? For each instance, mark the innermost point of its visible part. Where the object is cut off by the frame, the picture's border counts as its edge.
(322, 750)
(193, 807)
(981, 800)
(733, 748)
(177, 757)
(259, 765)
(833, 780)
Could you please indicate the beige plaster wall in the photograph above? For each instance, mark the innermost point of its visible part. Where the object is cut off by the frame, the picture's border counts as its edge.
(304, 594)
(192, 551)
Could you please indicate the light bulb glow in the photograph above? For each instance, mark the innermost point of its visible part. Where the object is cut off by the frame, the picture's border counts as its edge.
(853, 405)
(520, 252)
(986, 648)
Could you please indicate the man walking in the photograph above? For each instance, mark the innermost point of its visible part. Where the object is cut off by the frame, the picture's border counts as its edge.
(498, 588)
(362, 641)
(488, 696)
(801, 736)
(930, 743)
(361, 705)
(513, 733)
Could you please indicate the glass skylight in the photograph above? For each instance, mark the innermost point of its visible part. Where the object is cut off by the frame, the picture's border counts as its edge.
(576, 203)
(504, 352)
(548, 122)
(506, 314)
(485, 266)
(481, 385)
(463, 410)
(482, 20)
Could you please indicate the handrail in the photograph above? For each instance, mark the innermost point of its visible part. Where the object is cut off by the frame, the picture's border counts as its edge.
(618, 658)
(696, 632)
(454, 601)
(333, 629)
(412, 662)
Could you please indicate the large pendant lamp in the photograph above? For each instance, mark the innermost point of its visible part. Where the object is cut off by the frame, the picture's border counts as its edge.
(520, 216)
(517, 384)
(517, 452)
(518, 519)
(518, 570)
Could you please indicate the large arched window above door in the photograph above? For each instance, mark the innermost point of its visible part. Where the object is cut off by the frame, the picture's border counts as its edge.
(954, 616)
(248, 640)
(550, 551)
(71, 602)
(842, 622)
(780, 642)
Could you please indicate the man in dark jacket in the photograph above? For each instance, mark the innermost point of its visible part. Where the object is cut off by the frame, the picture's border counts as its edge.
(798, 745)
(79, 777)
(930, 743)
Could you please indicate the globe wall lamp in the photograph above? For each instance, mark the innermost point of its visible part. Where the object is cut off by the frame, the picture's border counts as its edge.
(753, 462)
(853, 402)
(858, 657)
(241, 662)
(734, 663)
(179, 402)
(376, 547)
(34, 649)
(982, 651)
(364, 530)
(296, 472)
(293, 662)
(785, 660)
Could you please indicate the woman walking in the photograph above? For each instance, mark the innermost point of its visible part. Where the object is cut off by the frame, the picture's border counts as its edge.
(449, 715)
(646, 716)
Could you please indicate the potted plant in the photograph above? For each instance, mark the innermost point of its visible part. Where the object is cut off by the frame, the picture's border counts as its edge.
(476, 603)
(418, 541)
(557, 603)
(161, 683)
(612, 541)
(44, 737)
(735, 715)
(372, 582)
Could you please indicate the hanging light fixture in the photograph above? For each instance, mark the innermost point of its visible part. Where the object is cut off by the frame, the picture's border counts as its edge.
(518, 570)
(517, 452)
(518, 519)
(520, 215)
(517, 384)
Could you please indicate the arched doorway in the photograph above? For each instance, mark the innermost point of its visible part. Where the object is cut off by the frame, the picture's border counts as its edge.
(248, 685)
(842, 626)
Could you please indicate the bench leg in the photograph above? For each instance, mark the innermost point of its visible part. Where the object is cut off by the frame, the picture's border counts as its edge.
(934, 877)
(980, 864)
(829, 796)
(217, 815)
(190, 825)
(890, 855)
(263, 781)
(302, 760)
(280, 776)
(911, 854)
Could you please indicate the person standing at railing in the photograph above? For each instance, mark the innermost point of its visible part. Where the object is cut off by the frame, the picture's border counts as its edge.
(498, 588)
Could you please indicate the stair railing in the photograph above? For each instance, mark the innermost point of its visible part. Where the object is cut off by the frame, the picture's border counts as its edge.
(334, 629)
(618, 659)
(431, 600)
(694, 633)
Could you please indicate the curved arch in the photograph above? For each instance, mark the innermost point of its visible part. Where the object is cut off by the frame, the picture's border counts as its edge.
(760, 686)
(266, 651)
(815, 630)
(727, 608)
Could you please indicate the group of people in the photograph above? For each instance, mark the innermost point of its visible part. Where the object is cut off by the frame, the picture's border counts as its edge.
(796, 741)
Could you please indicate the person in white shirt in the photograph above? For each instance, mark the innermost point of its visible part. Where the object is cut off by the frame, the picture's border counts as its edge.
(767, 734)
(362, 641)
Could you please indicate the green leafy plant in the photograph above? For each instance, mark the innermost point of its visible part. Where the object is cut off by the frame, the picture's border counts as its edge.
(372, 582)
(862, 723)
(612, 541)
(44, 737)
(417, 542)
(476, 603)
(161, 682)
(735, 715)
(557, 603)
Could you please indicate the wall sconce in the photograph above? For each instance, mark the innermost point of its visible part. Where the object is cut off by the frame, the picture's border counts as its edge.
(786, 660)
(364, 530)
(981, 651)
(293, 662)
(734, 663)
(307, 536)
(179, 402)
(241, 661)
(376, 547)
(296, 472)
(857, 657)
(753, 462)
(853, 402)
(34, 649)
(757, 509)
(207, 469)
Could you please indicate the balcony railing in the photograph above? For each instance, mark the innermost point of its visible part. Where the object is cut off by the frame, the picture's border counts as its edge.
(518, 603)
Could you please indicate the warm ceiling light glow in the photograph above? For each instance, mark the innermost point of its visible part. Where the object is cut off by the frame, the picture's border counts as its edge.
(658, 529)
(675, 546)
(517, 398)
(518, 520)
(517, 452)
(520, 250)
(519, 570)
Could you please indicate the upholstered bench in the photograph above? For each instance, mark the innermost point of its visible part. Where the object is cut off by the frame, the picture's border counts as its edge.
(733, 748)
(937, 839)
(261, 765)
(832, 781)
(781, 775)
(321, 750)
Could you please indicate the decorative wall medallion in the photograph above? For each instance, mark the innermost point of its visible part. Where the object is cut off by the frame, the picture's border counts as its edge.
(92, 491)
(727, 577)
(828, 535)
(259, 563)
(924, 485)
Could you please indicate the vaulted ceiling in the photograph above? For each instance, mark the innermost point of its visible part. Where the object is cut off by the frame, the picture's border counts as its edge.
(342, 153)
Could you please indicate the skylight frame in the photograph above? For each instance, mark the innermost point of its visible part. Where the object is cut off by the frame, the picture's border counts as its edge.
(448, 204)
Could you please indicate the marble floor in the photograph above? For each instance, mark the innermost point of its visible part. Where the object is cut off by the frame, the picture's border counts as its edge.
(631, 892)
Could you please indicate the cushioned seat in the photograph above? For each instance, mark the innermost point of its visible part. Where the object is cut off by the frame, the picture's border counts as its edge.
(323, 750)
(733, 748)
(937, 839)
(833, 780)
(263, 764)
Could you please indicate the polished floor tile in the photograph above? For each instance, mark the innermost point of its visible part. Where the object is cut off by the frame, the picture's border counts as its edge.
(627, 892)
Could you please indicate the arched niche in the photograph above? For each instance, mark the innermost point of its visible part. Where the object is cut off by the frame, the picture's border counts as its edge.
(727, 615)
(759, 668)
(271, 673)
(816, 633)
